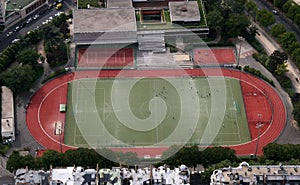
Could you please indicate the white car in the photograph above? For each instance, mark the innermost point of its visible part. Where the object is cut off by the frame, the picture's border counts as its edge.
(28, 20)
(9, 34)
(58, 14)
(46, 22)
(275, 12)
(36, 16)
(15, 41)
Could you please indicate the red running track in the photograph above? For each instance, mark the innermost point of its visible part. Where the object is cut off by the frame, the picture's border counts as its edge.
(258, 109)
(53, 93)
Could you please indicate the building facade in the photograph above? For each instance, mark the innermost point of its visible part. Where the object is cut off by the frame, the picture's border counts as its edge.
(117, 176)
(257, 175)
(2, 14)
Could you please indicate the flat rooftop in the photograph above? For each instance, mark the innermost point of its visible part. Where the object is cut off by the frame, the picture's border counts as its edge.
(7, 103)
(184, 11)
(7, 127)
(11, 5)
(271, 172)
(119, 4)
(104, 20)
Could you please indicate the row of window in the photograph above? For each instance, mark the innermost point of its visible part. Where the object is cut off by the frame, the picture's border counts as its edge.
(34, 6)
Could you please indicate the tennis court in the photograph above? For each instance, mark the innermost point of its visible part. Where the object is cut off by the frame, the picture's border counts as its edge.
(154, 111)
(105, 56)
(213, 56)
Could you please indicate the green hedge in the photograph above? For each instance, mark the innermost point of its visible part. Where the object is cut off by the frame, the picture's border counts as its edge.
(258, 74)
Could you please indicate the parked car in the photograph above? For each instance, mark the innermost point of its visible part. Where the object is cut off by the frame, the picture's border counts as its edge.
(275, 12)
(28, 20)
(9, 34)
(15, 41)
(22, 25)
(58, 6)
(36, 16)
(16, 29)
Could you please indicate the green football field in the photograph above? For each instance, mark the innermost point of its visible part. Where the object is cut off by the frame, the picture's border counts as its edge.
(155, 112)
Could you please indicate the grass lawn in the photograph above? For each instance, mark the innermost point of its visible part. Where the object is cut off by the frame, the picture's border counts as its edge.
(155, 111)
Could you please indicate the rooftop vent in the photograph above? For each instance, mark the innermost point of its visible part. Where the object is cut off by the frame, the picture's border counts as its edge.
(183, 9)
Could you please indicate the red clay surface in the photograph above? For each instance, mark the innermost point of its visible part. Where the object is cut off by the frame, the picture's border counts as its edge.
(106, 57)
(213, 56)
(44, 107)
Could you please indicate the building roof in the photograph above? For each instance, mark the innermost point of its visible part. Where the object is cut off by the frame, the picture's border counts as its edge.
(7, 103)
(104, 20)
(187, 11)
(17, 4)
(7, 121)
(250, 173)
(119, 4)
(7, 127)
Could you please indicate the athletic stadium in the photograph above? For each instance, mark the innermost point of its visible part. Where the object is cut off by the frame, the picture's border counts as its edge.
(129, 93)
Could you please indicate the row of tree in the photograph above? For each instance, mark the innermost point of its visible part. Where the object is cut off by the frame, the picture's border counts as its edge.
(287, 40)
(84, 157)
(290, 8)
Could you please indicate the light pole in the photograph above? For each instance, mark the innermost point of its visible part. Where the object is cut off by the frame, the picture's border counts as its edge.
(60, 132)
(241, 39)
(259, 125)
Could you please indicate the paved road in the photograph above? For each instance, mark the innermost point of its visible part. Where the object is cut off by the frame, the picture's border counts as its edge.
(5, 41)
(290, 27)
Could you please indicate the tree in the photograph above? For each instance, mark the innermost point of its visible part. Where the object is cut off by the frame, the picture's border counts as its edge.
(279, 3)
(19, 78)
(84, 157)
(51, 157)
(235, 6)
(287, 38)
(276, 58)
(293, 46)
(27, 56)
(251, 7)
(293, 11)
(281, 69)
(128, 158)
(296, 56)
(189, 156)
(215, 19)
(265, 17)
(277, 30)
(286, 6)
(253, 30)
(217, 154)
(235, 24)
(297, 19)
(14, 161)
